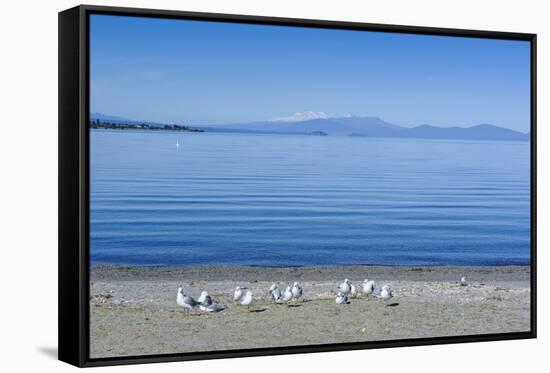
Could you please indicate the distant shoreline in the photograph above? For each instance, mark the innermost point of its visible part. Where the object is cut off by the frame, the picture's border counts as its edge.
(348, 126)
(305, 266)
(210, 272)
(142, 127)
(316, 133)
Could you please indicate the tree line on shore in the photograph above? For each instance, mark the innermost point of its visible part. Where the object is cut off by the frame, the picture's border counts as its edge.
(99, 124)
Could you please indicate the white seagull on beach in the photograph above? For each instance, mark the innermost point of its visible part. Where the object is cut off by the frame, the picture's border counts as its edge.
(247, 299)
(207, 305)
(287, 294)
(345, 287)
(463, 281)
(368, 286)
(202, 297)
(275, 293)
(185, 301)
(238, 294)
(342, 298)
(296, 291)
(386, 293)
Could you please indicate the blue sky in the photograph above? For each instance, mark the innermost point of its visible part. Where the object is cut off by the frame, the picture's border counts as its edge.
(193, 72)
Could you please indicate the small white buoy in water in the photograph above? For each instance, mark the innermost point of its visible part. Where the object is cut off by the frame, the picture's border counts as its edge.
(463, 281)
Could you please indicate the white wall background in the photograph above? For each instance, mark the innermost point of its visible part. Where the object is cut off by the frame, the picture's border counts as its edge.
(28, 182)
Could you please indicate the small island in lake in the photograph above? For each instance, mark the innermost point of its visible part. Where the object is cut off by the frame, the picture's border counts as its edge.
(318, 133)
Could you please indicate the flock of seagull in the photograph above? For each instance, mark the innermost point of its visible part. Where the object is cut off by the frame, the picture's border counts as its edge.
(347, 289)
(294, 293)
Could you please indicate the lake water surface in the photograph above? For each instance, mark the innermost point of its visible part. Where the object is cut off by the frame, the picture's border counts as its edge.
(280, 200)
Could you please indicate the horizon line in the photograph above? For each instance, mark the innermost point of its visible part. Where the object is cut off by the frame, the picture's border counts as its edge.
(298, 121)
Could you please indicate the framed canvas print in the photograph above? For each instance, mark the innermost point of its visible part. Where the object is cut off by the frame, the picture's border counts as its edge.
(233, 186)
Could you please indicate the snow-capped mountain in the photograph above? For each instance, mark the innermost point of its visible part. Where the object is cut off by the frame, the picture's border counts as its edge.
(300, 117)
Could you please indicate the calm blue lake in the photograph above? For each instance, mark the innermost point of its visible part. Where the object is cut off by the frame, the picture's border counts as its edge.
(279, 200)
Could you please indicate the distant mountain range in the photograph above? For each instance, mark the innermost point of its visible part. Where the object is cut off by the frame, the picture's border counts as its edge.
(351, 126)
(374, 127)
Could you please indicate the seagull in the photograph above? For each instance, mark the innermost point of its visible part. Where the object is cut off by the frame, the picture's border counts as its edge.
(345, 287)
(287, 294)
(353, 290)
(275, 293)
(368, 286)
(463, 281)
(185, 301)
(386, 293)
(342, 298)
(207, 305)
(203, 297)
(296, 291)
(247, 299)
(238, 294)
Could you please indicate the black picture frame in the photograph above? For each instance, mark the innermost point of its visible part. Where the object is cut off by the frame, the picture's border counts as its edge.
(74, 184)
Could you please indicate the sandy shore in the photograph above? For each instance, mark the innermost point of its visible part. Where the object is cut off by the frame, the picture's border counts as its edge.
(133, 310)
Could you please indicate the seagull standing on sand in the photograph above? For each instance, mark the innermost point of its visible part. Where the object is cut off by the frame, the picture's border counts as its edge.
(247, 299)
(275, 293)
(287, 294)
(342, 298)
(185, 301)
(463, 281)
(368, 286)
(296, 291)
(237, 294)
(345, 287)
(207, 305)
(386, 293)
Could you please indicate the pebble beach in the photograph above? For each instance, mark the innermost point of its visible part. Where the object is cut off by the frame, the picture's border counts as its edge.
(133, 310)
